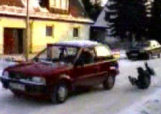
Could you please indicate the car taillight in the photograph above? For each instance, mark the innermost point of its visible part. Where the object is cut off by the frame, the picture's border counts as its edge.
(112, 68)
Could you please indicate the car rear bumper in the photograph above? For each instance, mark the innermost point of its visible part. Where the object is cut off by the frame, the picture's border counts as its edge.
(133, 55)
(25, 87)
(140, 55)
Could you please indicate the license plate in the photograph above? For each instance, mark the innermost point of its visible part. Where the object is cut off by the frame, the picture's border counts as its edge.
(17, 86)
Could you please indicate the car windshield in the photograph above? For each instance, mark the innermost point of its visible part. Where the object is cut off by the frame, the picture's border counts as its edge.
(103, 51)
(58, 53)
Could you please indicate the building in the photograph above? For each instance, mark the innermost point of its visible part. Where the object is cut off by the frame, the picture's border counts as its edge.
(50, 21)
(103, 2)
(99, 28)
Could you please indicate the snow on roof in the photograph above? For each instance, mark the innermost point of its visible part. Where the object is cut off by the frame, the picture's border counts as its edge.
(78, 43)
(14, 8)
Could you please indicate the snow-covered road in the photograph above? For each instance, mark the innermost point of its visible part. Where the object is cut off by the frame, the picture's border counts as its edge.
(122, 98)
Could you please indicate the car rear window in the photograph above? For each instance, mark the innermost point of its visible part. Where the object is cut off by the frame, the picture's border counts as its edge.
(103, 51)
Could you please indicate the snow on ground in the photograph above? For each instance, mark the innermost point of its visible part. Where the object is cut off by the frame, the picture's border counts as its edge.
(4, 64)
(149, 105)
(122, 99)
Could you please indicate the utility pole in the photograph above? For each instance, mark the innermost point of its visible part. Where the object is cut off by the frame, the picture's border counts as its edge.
(27, 33)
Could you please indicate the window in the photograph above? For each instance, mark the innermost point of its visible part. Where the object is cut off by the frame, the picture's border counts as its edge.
(59, 4)
(49, 31)
(76, 32)
(86, 57)
(58, 53)
(103, 51)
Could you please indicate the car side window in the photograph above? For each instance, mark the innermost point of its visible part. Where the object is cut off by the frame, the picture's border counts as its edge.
(102, 51)
(86, 57)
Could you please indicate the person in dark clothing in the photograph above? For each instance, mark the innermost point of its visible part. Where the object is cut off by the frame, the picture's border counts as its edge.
(86, 57)
(144, 79)
(149, 69)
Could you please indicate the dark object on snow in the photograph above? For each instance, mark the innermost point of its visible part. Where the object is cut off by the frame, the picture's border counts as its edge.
(144, 78)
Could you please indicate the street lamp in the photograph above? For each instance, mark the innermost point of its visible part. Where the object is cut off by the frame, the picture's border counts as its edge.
(27, 33)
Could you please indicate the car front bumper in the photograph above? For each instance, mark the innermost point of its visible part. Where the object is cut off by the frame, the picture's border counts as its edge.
(23, 86)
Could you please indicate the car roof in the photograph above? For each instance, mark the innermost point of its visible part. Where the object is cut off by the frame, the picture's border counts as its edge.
(77, 43)
(153, 41)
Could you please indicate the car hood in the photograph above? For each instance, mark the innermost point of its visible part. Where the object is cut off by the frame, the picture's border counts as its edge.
(39, 68)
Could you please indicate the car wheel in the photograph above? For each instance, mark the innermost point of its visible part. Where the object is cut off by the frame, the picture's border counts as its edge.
(127, 56)
(159, 55)
(109, 83)
(60, 93)
(150, 56)
(16, 94)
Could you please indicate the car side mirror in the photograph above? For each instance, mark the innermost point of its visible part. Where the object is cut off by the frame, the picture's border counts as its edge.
(36, 59)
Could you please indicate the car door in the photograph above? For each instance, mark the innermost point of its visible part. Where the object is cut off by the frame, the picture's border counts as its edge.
(103, 60)
(86, 73)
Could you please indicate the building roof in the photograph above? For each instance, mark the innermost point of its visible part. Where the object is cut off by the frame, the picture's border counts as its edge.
(101, 22)
(17, 3)
(77, 43)
(18, 8)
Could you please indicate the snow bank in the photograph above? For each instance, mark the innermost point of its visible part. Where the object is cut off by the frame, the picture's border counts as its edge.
(149, 105)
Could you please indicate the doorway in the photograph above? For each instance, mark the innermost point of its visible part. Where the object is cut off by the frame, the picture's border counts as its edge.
(13, 41)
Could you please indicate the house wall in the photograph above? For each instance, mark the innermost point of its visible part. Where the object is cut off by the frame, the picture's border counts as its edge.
(61, 31)
(8, 23)
(1, 39)
(38, 40)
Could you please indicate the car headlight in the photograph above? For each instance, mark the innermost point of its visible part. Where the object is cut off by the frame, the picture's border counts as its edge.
(39, 80)
(6, 74)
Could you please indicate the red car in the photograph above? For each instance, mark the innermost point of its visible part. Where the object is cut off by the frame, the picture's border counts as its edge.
(62, 67)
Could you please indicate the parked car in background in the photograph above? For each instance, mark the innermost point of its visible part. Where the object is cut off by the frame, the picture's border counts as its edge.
(144, 50)
(62, 67)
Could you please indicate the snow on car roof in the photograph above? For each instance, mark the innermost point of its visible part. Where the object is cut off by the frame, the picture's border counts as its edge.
(78, 43)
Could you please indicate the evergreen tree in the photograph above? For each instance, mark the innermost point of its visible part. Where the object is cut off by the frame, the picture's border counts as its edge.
(155, 27)
(130, 18)
(93, 9)
(111, 17)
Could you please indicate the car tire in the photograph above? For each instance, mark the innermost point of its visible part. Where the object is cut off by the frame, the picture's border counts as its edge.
(150, 56)
(109, 83)
(158, 55)
(15, 93)
(127, 56)
(59, 93)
